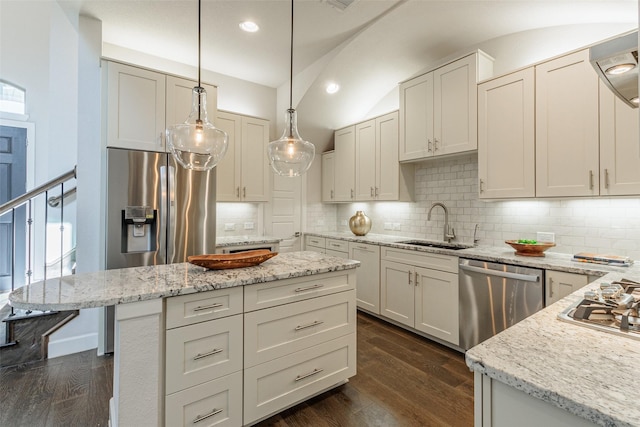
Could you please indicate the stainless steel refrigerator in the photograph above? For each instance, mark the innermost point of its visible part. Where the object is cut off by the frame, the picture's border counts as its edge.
(157, 213)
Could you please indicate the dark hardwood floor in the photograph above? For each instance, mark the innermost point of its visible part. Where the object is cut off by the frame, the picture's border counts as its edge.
(403, 380)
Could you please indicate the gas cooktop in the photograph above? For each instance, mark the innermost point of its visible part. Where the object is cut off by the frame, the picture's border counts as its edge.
(613, 307)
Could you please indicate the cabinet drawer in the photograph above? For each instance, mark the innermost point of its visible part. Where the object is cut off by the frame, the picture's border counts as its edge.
(276, 332)
(217, 402)
(285, 381)
(318, 242)
(202, 306)
(421, 259)
(337, 245)
(202, 352)
(264, 295)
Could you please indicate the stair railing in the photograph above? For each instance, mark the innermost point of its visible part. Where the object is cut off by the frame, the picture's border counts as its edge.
(28, 199)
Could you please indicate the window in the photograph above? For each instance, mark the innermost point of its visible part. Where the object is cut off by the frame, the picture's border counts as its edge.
(12, 98)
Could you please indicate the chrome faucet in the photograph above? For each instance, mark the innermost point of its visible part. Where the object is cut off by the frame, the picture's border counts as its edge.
(449, 232)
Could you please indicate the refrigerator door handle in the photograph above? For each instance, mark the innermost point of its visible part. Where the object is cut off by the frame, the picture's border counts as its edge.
(171, 215)
(163, 205)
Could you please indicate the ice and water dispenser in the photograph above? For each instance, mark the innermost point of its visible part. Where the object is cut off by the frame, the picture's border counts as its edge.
(139, 229)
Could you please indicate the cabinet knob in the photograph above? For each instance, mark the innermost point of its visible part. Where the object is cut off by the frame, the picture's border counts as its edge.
(606, 178)
(238, 192)
(435, 144)
(429, 143)
(408, 272)
(481, 189)
(591, 180)
(550, 287)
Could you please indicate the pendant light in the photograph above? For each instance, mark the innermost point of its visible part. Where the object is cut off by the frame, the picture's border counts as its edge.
(197, 144)
(291, 155)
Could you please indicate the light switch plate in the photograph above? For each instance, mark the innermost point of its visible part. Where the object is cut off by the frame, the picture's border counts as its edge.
(248, 226)
(396, 226)
(545, 237)
(388, 226)
(229, 226)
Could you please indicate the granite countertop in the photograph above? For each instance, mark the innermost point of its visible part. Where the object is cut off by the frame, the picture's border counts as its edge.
(551, 261)
(120, 286)
(245, 240)
(590, 373)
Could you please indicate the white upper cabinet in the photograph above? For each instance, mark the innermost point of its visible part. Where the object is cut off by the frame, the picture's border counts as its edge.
(438, 110)
(142, 103)
(619, 148)
(368, 151)
(345, 153)
(365, 160)
(135, 108)
(328, 176)
(243, 173)
(506, 136)
(567, 152)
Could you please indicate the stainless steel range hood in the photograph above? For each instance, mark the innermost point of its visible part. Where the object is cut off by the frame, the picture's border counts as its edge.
(616, 62)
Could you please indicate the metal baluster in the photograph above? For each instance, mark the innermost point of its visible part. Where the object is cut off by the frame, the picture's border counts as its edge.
(13, 254)
(44, 249)
(61, 229)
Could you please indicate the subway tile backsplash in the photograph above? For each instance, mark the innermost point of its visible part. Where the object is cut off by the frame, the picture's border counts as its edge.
(599, 224)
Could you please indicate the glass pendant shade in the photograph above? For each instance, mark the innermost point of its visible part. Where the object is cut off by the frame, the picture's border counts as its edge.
(197, 144)
(291, 155)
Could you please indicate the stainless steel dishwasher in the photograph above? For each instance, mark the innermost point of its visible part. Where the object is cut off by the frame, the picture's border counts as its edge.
(495, 296)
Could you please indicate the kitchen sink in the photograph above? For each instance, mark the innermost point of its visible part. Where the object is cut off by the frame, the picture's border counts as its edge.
(439, 245)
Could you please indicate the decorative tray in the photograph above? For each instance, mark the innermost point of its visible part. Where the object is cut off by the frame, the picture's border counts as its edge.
(237, 260)
(530, 249)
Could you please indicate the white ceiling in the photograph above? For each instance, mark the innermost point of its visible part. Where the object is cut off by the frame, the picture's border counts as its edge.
(367, 48)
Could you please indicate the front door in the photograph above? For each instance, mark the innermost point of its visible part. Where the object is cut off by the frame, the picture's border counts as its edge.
(13, 181)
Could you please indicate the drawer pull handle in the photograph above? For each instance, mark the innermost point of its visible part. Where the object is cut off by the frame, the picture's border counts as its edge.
(307, 375)
(310, 325)
(207, 354)
(209, 415)
(206, 307)
(308, 288)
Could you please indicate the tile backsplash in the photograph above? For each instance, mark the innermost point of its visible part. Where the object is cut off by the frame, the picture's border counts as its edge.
(599, 224)
(231, 219)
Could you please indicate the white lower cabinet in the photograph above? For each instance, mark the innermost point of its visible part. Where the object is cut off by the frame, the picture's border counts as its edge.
(214, 403)
(285, 381)
(559, 284)
(420, 290)
(368, 275)
(235, 356)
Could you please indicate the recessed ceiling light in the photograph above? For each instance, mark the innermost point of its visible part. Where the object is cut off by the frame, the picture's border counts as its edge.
(249, 26)
(332, 87)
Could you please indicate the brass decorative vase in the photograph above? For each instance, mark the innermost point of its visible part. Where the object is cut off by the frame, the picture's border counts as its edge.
(360, 224)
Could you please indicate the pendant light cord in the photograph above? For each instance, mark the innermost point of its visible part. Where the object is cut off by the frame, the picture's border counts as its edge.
(291, 64)
(199, 56)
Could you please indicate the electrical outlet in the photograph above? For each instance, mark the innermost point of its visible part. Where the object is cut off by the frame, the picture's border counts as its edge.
(545, 237)
(343, 222)
(248, 226)
(229, 226)
(396, 226)
(388, 226)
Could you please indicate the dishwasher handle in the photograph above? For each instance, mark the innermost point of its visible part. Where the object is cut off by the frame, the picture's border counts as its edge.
(506, 275)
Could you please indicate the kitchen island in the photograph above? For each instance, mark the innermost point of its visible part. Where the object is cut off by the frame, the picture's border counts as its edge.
(545, 371)
(168, 312)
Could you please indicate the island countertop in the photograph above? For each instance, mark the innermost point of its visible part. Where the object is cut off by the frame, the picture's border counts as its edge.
(121, 286)
(590, 373)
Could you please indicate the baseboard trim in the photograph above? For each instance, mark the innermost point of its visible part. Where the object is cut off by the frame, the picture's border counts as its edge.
(73, 345)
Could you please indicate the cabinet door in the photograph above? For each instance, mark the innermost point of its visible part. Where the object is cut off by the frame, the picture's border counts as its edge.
(255, 166)
(365, 160)
(179, 97)
(367, 275)
(328, 177)
(559, 284)
(396, 292)
(436, 304)
(567, 127)
(387, 185)
(455, 106)
(416, 118)
(135, 108)
(345, 149)
(228, 170)
(619, 148)
(506, 138)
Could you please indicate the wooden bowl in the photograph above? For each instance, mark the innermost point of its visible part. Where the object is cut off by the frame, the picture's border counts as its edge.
(237, 260)
(530, 249)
